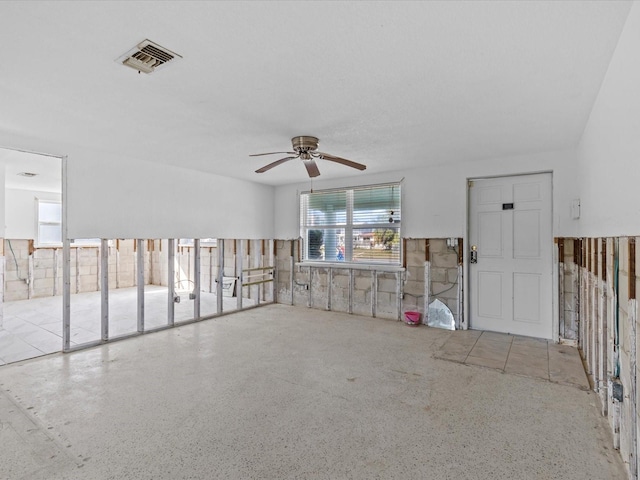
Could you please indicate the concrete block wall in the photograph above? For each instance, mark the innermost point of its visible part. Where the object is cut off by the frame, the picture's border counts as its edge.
(122, 263)
(40, 269)
(569, 284)
(37, 272)
(157, 251)
(184, 269)
(208, 269)
(17, 270)
(255, 253)
(600, 308)
(387, 295)
(47, 273)
(85, 268)
(444, 273)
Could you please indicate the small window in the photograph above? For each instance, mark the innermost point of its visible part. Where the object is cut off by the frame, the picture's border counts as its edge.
(50, 227)
(360, 225)
(49, 223)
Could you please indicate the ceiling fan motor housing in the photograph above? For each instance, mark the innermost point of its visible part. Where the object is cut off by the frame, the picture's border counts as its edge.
(304, 143)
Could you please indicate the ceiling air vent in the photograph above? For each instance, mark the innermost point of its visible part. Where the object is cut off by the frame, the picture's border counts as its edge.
(147, 57)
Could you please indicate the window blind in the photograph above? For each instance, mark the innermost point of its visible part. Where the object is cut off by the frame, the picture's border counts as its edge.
(359, 224)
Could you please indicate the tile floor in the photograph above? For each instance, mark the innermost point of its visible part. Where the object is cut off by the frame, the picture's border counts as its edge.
(32, 328)
(529, 357)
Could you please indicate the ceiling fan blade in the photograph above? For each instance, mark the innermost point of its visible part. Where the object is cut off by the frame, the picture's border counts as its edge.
(342, 161)
(272, 153)
(274, 164)
(312, 168)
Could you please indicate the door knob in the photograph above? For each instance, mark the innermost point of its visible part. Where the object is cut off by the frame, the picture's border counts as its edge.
(474, 254)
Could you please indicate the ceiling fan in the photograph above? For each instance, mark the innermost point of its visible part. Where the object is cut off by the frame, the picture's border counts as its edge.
(305, 148)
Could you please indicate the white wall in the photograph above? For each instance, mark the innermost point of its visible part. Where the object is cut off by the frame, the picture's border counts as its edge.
(20, 212)
(609, 151)
(435, 198)
(123, 198)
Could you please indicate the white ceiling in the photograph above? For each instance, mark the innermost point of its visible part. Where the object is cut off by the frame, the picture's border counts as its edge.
(393, 85)
(48, 171)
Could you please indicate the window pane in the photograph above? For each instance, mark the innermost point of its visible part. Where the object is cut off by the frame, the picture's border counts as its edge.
(371, 217)
(49, 212)
(380, 245)
(49, 234)
(326, 208)
(325, 244)
(376, 205)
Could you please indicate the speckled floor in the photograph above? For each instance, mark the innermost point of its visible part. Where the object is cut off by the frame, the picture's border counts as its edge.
(291, 393)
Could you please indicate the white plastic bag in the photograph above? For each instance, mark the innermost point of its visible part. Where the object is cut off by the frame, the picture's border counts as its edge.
(440, 316)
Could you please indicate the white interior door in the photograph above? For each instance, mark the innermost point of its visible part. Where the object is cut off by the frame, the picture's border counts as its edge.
(510, 286)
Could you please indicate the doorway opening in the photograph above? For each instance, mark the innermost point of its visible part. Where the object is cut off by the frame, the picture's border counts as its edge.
(30, 255)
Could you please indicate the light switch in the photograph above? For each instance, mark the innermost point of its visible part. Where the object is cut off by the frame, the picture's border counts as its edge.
(575, 208)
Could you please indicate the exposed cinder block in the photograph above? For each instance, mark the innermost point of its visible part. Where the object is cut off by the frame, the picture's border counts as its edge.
(362, 283)
(446, 260)
(452, 275)
(438, 275)
(360, 297)
(415, 258)
(386, 285)
(44, 283)
(39, 273)
(340, 281)
(384, 299)
(437, 245)
(414, 288)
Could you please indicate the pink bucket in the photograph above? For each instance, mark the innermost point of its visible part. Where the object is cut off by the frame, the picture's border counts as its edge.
(412, 318)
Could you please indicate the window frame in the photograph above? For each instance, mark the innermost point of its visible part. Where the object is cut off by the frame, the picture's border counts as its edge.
(79, 242)
(349, 227)
(39, 222)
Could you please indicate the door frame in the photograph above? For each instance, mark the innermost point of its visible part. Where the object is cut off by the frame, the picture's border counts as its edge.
(555, 294)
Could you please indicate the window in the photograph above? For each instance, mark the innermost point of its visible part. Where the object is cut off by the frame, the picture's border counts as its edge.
(49, 223)
(360, 224)
(50, 226)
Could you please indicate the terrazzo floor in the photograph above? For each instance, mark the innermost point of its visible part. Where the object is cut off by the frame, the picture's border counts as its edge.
(284, 392)
(32, 328)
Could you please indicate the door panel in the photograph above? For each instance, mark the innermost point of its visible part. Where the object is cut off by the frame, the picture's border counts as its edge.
(526, 294)
(510, 286)
(490, 294)
(526, 234)
(490, 234)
